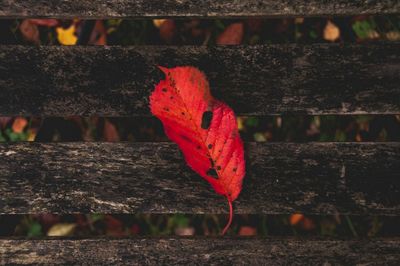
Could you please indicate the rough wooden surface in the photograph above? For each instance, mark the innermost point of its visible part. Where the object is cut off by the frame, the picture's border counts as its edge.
(313, 178)
(254, 80)
(191, 8)
(202, 251)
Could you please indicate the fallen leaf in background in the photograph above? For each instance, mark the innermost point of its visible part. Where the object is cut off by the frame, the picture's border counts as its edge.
(184, 231)
(259, 137)
(307, 224)
(295, 218)
(373, 34)
(63, 229)
(167, 30)
(239, 121)
(365, 28)
(29, 31)
(114, 226)
(393, 35)
(31, 135)
(247, 231)
(19, 124)
(44, 22)
(233, 34)
(158, 22)
(67, 36)
(110, 132)
(204, 128)
(300, 220)
(99, 34)
(331, 32)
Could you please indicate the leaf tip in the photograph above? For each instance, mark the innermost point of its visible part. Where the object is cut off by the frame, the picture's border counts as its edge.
(165, 70)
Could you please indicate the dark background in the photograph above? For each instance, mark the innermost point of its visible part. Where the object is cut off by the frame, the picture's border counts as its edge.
(299, 128)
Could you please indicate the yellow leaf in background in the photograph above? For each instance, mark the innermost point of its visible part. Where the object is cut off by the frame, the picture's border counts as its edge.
(61, 229)
(240, 123)
(331, 32)
(158, 22)
(259, 137)
(31, 135)
(67, 36)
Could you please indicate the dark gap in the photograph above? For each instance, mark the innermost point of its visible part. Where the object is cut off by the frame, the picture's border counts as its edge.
(296, 128)
(360, 28)
(121, 225)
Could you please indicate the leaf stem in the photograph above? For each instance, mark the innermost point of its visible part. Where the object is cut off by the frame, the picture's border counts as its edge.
(230, 218)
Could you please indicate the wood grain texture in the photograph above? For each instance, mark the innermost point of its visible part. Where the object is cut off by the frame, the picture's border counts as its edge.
(282, 178)
(201, 251)
(254, 80)
(191, 8)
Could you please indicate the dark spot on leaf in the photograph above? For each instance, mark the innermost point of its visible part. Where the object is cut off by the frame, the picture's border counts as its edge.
(171, 97)
(185, 138)
(218, 167)
(209, 146)
(183, 113)
(211, 172)
(166, 109)
(198, 147)
(164, 89)
(212, 162)
(234, 169)
(206, 119)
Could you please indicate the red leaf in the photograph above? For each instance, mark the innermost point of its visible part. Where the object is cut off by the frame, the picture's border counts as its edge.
(168, 30)
(29, 31)
(99, 34)
(44, 22)
(247, 231)
(232, 35)
(204, 128)
(110, 131)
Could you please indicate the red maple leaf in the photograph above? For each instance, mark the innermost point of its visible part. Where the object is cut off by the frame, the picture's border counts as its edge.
(204, 128)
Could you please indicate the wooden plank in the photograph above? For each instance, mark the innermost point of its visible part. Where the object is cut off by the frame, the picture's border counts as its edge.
(254, 80)
(312, 178)
(192, 8)
(201, 251)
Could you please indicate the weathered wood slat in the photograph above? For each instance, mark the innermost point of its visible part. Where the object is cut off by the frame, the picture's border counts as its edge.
(201, 251)
(313, 178)
(191, 8)
(254, 80)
